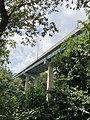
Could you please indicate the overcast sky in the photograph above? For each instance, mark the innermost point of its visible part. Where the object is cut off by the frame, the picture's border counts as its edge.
(66, 21)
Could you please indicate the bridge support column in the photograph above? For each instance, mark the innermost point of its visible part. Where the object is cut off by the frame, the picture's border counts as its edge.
(50, 76)
(36, 76)
(49, 79)
(26, 81)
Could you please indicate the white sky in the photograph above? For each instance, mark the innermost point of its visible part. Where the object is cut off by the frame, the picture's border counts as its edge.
(66, 21)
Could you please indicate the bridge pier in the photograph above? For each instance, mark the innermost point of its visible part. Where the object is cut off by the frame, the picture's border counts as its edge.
(36, 79)
(49, 78)
(26, 81)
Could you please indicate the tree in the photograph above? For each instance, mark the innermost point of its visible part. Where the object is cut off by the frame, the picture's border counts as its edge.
(72, 61)
(4, 51)
(28, 15)
(71, 95)
(5, 101)
(10, 90)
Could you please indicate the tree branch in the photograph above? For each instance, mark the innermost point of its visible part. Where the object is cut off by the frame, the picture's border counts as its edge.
(18, 6)
(4, 17)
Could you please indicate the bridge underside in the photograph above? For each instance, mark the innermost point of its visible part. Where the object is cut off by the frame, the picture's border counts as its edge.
(39, 69)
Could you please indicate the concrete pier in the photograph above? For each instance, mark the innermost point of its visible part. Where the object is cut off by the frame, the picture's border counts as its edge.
(49, 76)
(26, 81)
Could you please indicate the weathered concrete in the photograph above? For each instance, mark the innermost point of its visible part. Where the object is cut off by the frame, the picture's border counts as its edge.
(26, 81)
(49, 76)
(36, 79)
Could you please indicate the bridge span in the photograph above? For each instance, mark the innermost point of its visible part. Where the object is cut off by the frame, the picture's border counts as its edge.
(43, 64)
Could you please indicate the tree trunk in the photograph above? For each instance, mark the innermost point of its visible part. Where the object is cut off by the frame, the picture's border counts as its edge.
(4, 17)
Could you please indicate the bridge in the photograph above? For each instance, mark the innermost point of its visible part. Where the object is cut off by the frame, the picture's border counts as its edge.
(43, 64)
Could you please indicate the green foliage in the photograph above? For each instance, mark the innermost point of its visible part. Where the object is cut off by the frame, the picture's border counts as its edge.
(69, 103)
(72, 62)
(4, 50)
(8, 95)
(4, 53)
(33, 105)
(43, 80)
(5, 100)
(71, 95)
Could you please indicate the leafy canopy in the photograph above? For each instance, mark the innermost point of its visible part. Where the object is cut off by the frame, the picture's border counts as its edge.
(72, 62)
(26, 16)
